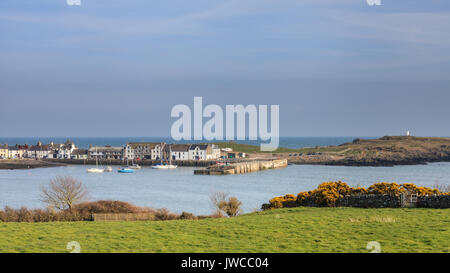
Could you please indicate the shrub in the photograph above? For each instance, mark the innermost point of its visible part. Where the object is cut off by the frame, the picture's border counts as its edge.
(329, 193)
(164, 215)
(108, 206)
(188, 216)
(276, 202)
(393, 189)
(420, 191)
(231, 206)
(303, 198)
(358, 191)
(84, 211)
(287, 201)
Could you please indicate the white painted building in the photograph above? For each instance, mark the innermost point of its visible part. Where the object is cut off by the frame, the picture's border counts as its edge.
(39, 151)
(215, 154)
(139, 150)
(157, 151)
(106, 152)
(180, 151)
(65, 150)
(197, 152)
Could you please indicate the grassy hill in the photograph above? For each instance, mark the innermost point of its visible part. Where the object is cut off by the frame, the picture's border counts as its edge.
(385, 151)
(283, 230)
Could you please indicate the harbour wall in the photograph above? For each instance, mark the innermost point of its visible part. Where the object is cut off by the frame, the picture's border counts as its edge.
(244, 167)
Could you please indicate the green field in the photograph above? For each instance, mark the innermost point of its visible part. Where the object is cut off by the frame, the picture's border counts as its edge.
(247, 148)
(283, 230)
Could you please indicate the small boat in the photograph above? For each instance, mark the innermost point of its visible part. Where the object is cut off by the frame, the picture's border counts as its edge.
(95, 170)
(108, 169)
(125, 170)
(164, 166)
(134, 166)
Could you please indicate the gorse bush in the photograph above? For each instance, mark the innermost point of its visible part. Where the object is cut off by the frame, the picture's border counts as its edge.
(386, 188)
(329, 193)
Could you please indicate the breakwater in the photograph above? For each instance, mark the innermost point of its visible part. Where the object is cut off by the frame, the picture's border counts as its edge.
(243, 167)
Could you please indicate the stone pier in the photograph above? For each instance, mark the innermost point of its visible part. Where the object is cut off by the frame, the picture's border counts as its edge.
(244, 167)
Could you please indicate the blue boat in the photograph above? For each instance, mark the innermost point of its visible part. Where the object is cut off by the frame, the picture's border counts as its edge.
(125, 170)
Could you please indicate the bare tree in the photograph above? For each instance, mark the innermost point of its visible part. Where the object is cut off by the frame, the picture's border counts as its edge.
(224, 204)
(63, 192)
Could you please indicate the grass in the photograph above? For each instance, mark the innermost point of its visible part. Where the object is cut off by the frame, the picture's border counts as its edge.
(247, 148)
(284, 230)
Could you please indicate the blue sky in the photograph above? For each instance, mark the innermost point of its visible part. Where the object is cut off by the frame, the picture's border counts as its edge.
(116, 68)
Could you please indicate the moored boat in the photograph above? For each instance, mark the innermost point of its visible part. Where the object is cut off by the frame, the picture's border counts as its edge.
(164, 166)
(95, 170)
(125, 170)
(134, 166)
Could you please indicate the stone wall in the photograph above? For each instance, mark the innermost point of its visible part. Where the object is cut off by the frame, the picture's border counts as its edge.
(244, 167)
(435, 202)
(370, 201)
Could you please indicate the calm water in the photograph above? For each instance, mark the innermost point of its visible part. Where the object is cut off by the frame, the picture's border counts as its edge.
(84, 142)
(179, 190)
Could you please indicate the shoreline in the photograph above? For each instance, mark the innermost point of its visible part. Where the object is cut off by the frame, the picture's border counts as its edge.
(387, 151)
(25, 164)
(382, 152)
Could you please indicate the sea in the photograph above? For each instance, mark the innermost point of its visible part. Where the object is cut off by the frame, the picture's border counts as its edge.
(84, 142)
(180, 190)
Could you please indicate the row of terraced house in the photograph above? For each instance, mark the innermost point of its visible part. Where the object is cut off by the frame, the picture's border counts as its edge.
(155, 151)
(132, 151)
(38, 151)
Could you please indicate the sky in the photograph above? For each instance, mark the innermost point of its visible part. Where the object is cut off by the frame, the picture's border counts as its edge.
(116, 68)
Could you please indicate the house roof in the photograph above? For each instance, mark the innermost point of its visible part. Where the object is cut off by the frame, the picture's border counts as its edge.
(180, 147)
(200, 146)
(40, 148)
(150, 144)
(80, 152)
(105, 149)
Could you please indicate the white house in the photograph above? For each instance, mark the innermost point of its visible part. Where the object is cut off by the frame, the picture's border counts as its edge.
(139, 150)
(106, 152)
(180, 151)
(65, 150)
(39, 151)
(54, 150)
(198, 152)
(157, 151)
(79, 154)
(215, 152)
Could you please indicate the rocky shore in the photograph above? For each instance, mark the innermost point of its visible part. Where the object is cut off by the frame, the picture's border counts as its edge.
(20, 164)
(382, 152)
